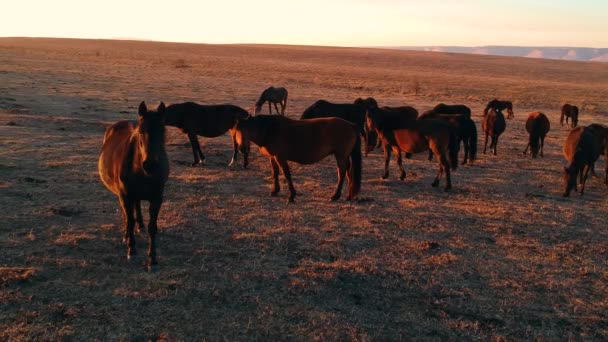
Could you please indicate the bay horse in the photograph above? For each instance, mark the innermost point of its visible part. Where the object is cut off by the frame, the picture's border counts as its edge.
(459, 109)
(466, 132)
(272, 95)
(304, 142)
(537, 126)
(581, 150)
(209, 121)
(569, 111)
(401, 113)
(415, 136)
(352, 112)
(133, 165)
(498, 105)
(601, 134)
(493, 125)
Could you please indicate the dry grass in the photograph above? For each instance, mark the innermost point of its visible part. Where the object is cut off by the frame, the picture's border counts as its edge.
(502, 257)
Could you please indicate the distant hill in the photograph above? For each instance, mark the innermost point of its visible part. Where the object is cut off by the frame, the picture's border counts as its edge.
(563, 53)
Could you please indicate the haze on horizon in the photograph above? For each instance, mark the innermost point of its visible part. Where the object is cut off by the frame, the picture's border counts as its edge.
(317, 22)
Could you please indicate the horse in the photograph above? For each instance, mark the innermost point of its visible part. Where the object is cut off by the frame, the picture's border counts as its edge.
(498, 105)
(601, 134)
(272, 95)
(400, 113)
(569, 111)
(493, 125)
(304, 142)
(581, 149)
(466, 132)
(415, 136)
(352, 112)
(205, 120)
(442, 108)
(537, 126)
(133, 165)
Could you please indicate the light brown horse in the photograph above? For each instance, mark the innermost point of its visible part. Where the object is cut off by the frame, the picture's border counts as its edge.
(537, 126)
(272, 95)
(304, 142)
(417, 136)
(134, 166)
(581, 149)
(493, 125)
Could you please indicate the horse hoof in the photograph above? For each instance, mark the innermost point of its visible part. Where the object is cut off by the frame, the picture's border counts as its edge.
(435, 184)
(385, 176)
(447, 188)
(291, 201)
(334, 198)
(153, 268)
(274, 194)
(402, 177)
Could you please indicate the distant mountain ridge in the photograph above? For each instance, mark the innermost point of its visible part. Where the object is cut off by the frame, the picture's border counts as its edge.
(563, 53)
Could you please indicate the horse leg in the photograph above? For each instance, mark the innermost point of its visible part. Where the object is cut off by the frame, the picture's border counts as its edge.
(448, 176)
(342, 167)
(269, 108)
(467, 147)
(495, 142)
(526, 150)
(138, 217)
(152, 228)
(196, 149)
(283, 106)
(275, 176)
(235, 152)
(584, 177)
(400, 163)
(430, 155)
(387, 159)
(485, 144)
(285, 168)
(277, 108)
(127, 206)
(542, 144)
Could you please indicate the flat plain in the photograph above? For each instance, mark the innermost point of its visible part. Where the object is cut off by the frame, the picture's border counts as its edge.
(503, 256)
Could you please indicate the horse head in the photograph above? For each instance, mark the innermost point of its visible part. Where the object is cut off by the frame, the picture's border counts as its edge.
(151, 136)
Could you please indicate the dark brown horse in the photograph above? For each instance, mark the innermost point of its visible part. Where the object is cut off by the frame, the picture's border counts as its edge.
(272, 95)
(395, 114)
(466, 132)
(601, 134)
(498, 105)
(442, 108)
(133, 165)
(209, 121)
(571, 112)
(416, 136)
(493, 125)
(537, 127)
(304, 142)
(352, 112)
(581, 149)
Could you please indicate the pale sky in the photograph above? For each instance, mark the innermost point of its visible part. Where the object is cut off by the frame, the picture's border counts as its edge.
(581, 23)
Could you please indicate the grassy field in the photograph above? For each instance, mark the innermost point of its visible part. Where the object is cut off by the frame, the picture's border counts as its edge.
(501, 257)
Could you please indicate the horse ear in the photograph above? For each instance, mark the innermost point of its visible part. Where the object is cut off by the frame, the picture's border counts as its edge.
(143, 110)
(161, 108)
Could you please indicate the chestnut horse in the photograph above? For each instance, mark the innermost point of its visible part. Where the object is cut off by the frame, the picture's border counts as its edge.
(498, 105)
(569, 111)
(466, 131)
(205, 120)
(134, 166)
(581, 149)
(415, 136)
(537, 126)
(304, 142)
(272, 95)
(493, 125)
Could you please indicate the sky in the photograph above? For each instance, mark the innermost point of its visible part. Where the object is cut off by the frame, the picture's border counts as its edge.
(580, 23)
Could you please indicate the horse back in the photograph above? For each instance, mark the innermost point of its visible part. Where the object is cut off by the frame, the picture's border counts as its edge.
(347, 111)
(581, 146)
(114, 152)
(537, 124)
(204, 120)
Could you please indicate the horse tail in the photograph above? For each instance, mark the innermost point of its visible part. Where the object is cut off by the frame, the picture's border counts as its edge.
(453, 147)
(473, 141)
(355, 168)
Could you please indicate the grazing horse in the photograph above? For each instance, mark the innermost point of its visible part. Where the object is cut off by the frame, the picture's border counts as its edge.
(272, 95)
(465, 129)
(205, 120)
(581, 149)
(442, 108)
(415, 136)
(493, 125)
(498, 105)
(569, 111)
(537, 126)
(352, 112)
(601, 134)
(304, 142)
(134, 166)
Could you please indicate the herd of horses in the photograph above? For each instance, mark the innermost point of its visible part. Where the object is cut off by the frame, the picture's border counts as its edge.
(133, 163)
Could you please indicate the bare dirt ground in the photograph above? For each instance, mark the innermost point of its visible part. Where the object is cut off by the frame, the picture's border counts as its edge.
(501, 257)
